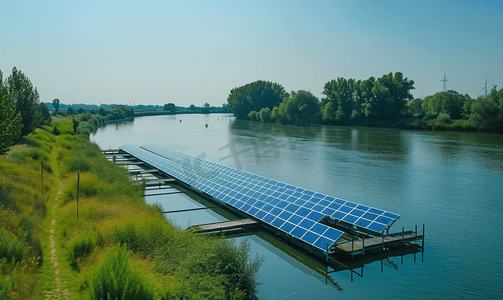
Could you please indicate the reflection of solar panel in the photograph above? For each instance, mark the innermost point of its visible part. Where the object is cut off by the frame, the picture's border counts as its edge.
(292, 210)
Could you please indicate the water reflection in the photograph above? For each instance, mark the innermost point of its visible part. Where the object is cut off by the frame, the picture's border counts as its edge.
(380, 144)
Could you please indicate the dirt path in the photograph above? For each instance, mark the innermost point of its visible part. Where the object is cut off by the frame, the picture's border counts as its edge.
(59, 291)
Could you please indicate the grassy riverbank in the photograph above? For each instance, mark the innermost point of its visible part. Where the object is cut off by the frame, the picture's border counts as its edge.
(118, 245)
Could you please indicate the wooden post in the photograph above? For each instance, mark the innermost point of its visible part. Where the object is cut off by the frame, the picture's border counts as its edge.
(326, 256)
(78, 190)
(352, 249)
(42, 168)
(422, 244)
(382, 240)
(403, 236)
(363, 246)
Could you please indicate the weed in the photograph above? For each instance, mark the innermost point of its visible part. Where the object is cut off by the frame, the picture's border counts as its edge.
(11, 249)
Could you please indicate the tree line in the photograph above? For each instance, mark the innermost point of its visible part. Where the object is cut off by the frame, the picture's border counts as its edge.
(385, 101)
(20, 109)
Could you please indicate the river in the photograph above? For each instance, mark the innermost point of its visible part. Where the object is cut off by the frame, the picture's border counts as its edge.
(450, 181)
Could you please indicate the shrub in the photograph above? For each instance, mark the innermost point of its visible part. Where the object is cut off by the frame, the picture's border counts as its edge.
(11, 249)
(115, 279)
(89, 186)
(142, 237)
(78, 163)
(254, 116)
(83, 245)
(443, 118)
(418, 124)
(191, 257)
(265, 115)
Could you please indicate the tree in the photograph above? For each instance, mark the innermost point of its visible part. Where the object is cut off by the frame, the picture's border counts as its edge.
(328, 112)
(26, 97)
(254, 96)
(192, 107)
(377, 105)
(55, 103)
(226, 108)
(170, 107)
(206, 108)
(487, 113)
(10, 120)
(265, 115)
(450, 103)
(44, 113)
(399, 90)
(341, 94)
(102, 111)
(453, 104)
(254, 116)
(415, 108)
(302, 109)
(75, 125)
(386, 97)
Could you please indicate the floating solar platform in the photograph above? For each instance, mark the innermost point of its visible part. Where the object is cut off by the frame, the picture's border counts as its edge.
(294, 211)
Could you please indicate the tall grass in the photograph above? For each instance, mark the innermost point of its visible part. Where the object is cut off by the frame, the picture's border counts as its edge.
(188, 256)
(11, 250)
(22, 212)
(116, 279)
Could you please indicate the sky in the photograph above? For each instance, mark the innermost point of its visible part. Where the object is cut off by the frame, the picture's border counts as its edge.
(192, 52)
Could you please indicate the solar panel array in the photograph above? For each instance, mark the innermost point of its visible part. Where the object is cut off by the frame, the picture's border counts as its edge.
(290, 209)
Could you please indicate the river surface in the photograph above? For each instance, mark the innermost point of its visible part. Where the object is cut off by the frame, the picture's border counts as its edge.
(450, 181)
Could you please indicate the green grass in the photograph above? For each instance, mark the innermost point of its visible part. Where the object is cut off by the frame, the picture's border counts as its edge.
(116, 279)
(22, 212)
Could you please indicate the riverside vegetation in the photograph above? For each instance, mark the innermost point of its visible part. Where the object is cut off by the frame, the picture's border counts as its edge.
(118, 248)
(383, 102)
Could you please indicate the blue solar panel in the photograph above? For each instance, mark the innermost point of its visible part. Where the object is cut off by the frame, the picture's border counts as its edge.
(266, 199)
(287, 227)
(298, 232)
(310, 237)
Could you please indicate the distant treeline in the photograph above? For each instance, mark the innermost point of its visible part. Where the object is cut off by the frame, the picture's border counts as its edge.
(385, 102)
(80, 108)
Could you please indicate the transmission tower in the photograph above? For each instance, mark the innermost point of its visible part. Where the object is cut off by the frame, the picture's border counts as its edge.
(445, 81)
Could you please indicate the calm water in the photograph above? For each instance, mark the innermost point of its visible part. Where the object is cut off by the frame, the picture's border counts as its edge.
(452, 182)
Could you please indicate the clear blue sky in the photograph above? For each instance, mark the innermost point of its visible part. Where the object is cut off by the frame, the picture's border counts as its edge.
(191, 52)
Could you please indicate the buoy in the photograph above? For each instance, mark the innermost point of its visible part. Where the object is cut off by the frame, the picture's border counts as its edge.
(206, 125)
(180, 121)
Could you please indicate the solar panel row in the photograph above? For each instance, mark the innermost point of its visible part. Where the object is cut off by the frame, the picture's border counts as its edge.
(293, 210)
